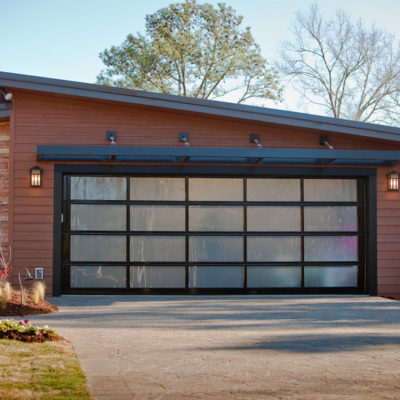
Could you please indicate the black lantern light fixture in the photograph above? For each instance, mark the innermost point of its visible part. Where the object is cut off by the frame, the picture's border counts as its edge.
(36, 176)
(393, 181)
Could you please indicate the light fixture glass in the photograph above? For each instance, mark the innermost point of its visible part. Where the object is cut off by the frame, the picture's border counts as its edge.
(36, 176)
(393, 181)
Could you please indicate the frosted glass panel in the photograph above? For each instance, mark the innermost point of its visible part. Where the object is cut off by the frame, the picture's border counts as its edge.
(273, 248)
(215, 277)
(330, 276)
(330, 190)
(98, 248)
(215, 248)
(98, 276)
(219, 218)
(215, 189)
(157, 188)
(330, 248)
(273, 189)
(330, 218)
(272, 218)
(98, 188)
(157, 277)
(273, 277)
(157, 218)
(98, 217)
(157, 248)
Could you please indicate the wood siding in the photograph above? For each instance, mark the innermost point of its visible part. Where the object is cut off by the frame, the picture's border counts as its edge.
(388, 231)
(4, 183)
(56, 120)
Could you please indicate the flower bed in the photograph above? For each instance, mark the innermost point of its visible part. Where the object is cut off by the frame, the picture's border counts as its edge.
(26, 332)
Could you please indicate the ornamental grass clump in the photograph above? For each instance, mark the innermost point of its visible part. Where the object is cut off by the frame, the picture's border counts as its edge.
(5, 287)
(38, 291)
(5, 294)
(25, 331)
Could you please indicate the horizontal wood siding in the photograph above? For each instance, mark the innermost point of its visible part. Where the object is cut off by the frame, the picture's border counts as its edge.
(4, 184)
(388, 230)
(47, 119)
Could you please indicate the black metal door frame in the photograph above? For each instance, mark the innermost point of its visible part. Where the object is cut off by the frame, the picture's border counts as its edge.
(367, 251)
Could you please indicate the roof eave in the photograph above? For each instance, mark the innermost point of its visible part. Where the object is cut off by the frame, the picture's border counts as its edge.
(211, 107)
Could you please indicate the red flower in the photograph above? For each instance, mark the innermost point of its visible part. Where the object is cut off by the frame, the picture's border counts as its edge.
(26, 321)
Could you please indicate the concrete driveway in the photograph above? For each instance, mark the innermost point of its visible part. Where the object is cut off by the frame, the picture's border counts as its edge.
(234, 347)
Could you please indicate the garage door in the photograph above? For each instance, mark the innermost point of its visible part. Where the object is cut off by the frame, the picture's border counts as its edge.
(197, 234)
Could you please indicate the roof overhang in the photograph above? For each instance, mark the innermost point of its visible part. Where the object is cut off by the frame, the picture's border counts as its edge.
(216, 155)
(217, 108)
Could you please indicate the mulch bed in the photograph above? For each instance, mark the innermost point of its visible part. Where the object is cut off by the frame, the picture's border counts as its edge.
(14, 307)
(29, 338)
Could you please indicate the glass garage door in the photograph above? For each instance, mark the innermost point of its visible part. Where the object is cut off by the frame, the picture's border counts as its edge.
(156, 234)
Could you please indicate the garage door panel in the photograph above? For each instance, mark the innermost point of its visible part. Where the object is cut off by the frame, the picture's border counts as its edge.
(98, 188)
(98, 276)
(215, 189)
(324, 276)
(165, 189)
(149, 248)
(194, 232)
(331, 248)
(330, 218)
(273, 248)
(146, 276)
(215, 277)
(330, 189)
(157, 218)
(98, 248)
(273, 218)
(216, 218)
(271, 189)
(98, 217)
(273, 276)
(215, 249)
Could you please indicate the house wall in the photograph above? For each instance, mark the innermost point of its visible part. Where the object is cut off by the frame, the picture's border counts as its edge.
(52, 119)
(388, 232)
(4, 183)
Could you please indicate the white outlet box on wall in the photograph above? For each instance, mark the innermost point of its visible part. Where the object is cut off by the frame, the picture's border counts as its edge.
(38, 273)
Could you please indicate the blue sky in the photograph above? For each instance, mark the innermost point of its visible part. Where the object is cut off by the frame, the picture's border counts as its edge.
(62, 39)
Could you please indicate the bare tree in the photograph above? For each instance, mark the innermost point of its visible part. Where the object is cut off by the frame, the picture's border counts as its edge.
(349, 70)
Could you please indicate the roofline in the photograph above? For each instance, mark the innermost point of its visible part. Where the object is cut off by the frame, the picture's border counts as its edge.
(212, 107)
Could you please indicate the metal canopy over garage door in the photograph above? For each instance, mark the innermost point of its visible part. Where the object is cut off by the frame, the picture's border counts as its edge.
(187, 234)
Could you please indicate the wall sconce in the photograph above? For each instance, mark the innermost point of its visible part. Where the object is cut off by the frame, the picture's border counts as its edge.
(393, 181)
(183, 137)
(36, 176)
(255, 138)
(7, 95)
(111, 136)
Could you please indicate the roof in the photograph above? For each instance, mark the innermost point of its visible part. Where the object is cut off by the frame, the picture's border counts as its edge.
(238, 111)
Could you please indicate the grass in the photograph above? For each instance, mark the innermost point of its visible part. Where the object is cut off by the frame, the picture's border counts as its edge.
(46, 371)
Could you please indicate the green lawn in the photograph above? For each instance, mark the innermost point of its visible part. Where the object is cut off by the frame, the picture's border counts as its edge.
(47, 370)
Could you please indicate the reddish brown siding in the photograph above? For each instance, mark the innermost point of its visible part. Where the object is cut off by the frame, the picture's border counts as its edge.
(4, 183)
(388, 213)
(52, 119)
